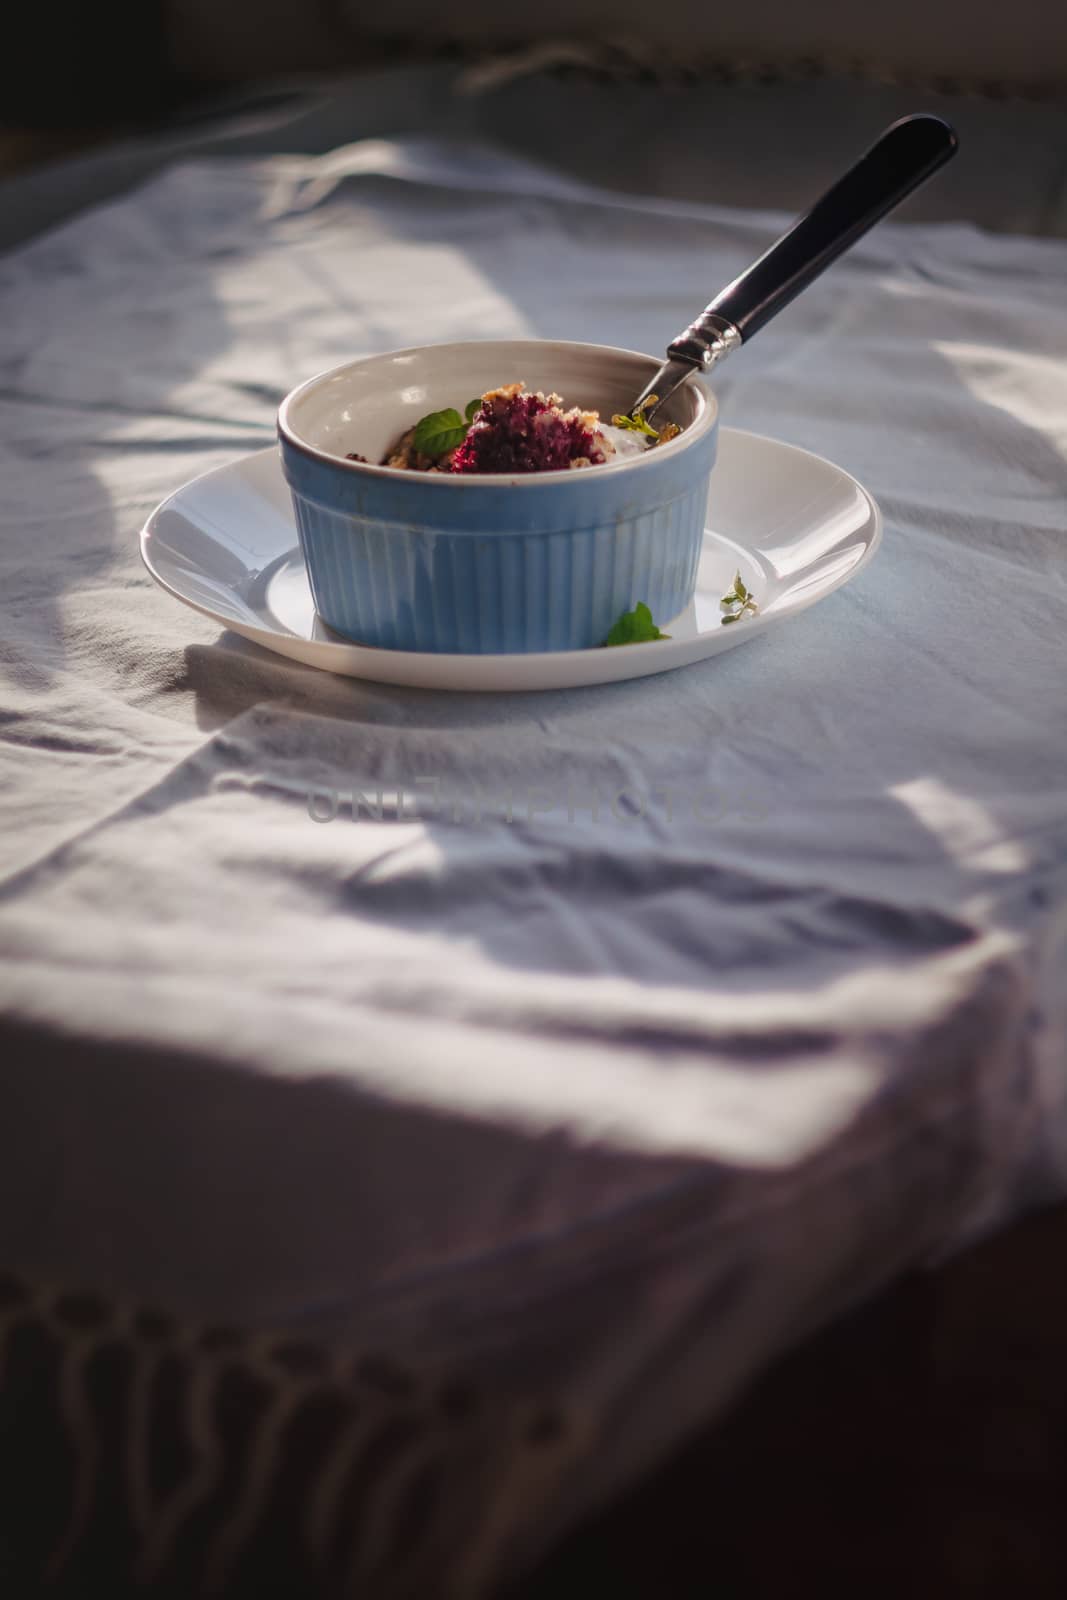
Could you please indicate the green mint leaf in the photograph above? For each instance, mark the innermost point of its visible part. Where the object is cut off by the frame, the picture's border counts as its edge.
(440, 431)
(731, 618)
(635, 627)
(473, 407)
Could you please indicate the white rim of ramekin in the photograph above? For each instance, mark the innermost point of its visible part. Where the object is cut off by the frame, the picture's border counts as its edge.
(696, 430)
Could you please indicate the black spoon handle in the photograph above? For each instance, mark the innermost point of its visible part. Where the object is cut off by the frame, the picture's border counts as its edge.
(906, 155)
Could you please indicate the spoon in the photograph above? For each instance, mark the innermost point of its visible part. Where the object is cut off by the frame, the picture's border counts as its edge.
(906, 154)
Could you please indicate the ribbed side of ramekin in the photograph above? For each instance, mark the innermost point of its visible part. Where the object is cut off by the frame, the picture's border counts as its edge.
(415, 588)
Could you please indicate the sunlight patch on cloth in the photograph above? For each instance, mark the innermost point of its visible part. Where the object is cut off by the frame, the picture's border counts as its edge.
(968, 832)
(1028, 386)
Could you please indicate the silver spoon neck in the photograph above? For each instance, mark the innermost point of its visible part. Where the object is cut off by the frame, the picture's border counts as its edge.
(710, 339)
(707, 341)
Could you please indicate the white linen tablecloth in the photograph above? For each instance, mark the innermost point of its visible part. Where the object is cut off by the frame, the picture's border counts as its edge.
(609, 1107)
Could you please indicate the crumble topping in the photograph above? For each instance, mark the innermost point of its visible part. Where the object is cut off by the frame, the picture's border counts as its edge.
(513, 430)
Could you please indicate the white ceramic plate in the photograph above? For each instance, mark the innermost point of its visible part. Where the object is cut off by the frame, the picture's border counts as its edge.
(796, 527)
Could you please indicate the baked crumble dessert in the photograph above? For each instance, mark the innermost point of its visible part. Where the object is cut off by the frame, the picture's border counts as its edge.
(511, 430)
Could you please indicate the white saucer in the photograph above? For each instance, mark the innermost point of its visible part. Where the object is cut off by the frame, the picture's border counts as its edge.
(796, 527)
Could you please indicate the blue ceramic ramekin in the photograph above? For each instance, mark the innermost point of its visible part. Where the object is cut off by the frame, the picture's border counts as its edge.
(491, 563)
